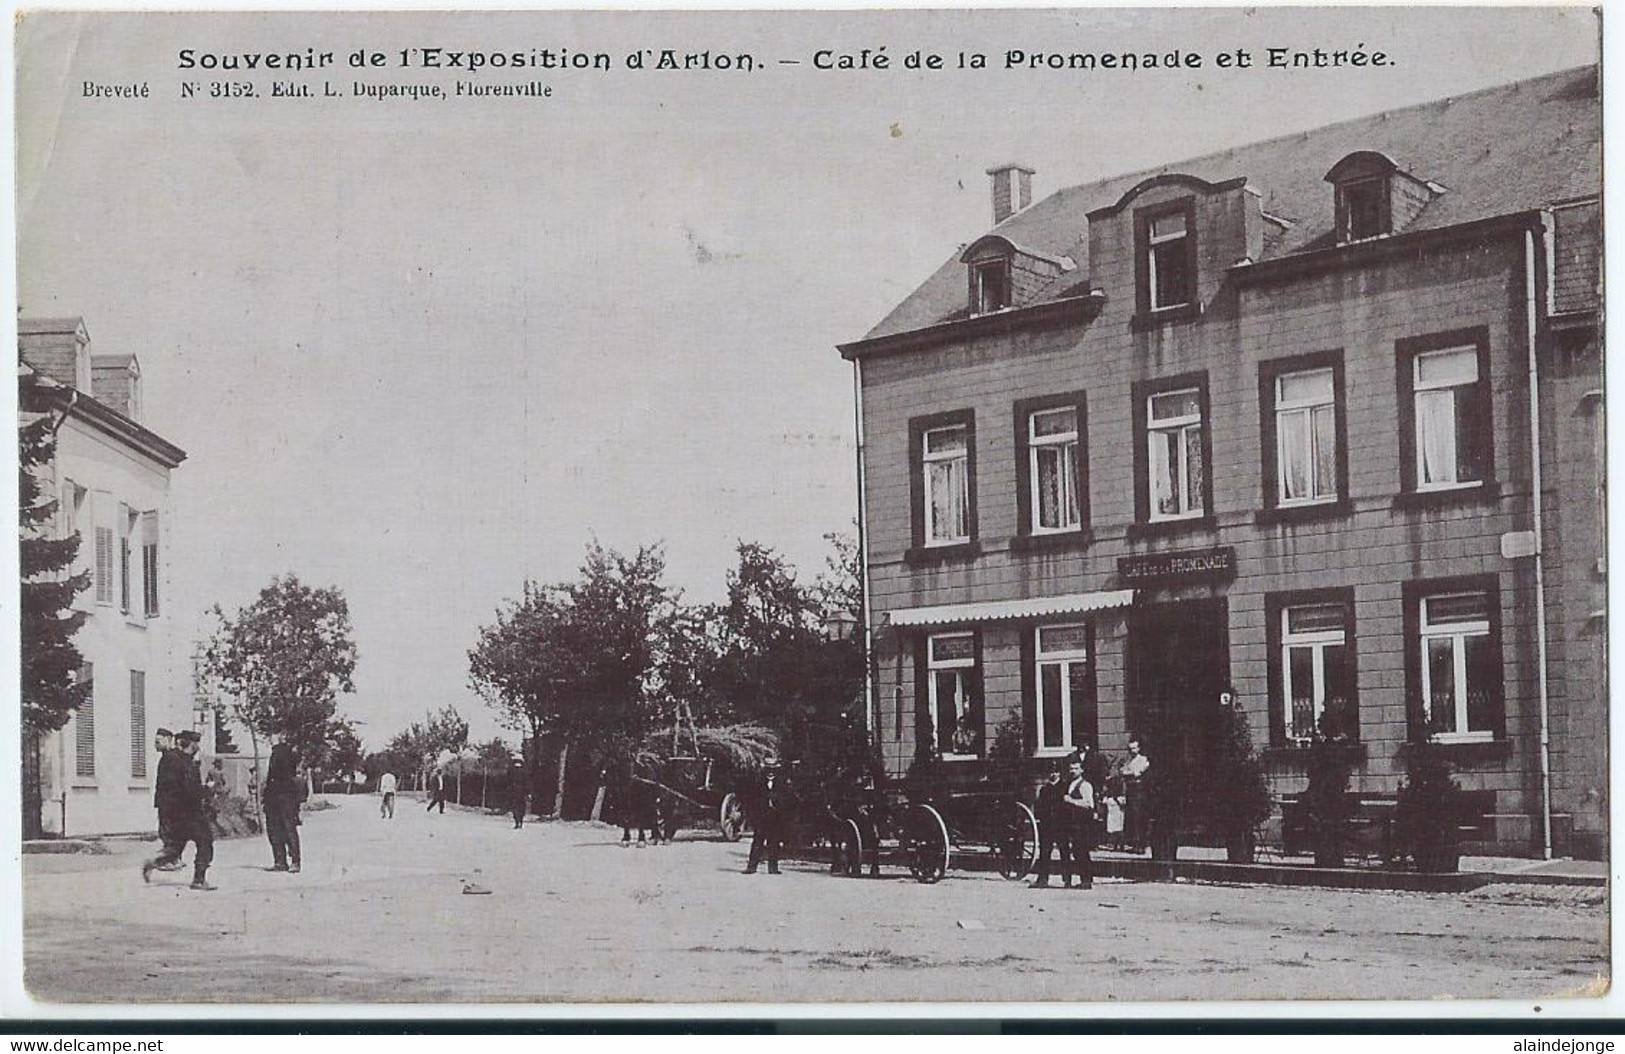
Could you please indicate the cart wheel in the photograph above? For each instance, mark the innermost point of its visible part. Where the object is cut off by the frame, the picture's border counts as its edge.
(731, 817)
(1017, 843)
(926, 838)
(851, 849)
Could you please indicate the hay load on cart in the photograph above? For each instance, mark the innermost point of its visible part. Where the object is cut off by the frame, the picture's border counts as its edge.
(700, 771)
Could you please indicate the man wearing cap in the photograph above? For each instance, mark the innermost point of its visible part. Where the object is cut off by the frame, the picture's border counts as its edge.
(163, 790)
(188, 816)
(771, 812)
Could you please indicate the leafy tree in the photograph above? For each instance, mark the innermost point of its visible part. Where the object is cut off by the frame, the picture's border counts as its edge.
(282, 662)
(576, 661)
(51, 691)
(445, 733)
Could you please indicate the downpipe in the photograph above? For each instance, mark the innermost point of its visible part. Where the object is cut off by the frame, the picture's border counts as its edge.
(1537, 502)
(870, 720)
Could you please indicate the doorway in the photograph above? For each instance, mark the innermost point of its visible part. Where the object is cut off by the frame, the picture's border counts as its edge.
(1178, 661)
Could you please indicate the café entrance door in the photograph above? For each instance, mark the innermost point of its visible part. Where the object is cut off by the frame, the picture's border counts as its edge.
(1178, 661)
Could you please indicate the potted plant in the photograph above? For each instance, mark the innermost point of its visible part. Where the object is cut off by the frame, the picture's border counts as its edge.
(1326, 801)
(1428, 811)
(1164, 788)
(1238, 794)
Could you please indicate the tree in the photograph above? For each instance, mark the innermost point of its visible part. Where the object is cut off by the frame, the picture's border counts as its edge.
(282, 661)
(51, 687)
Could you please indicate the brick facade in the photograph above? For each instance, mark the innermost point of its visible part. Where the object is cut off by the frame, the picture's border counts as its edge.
(1364, 307)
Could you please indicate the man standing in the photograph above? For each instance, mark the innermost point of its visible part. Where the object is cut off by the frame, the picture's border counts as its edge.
(1079, 806)
(517, 798)
(282, 807)
(1135, 770)
(771, 813)
(437, 788)
(188, 818)
(1054, 829)
(386, 789)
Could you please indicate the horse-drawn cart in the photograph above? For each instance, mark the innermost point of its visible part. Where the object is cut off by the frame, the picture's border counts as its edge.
(690, 791)
(925, 826)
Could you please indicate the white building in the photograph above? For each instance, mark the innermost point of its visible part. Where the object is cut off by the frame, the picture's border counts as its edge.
(111, 479)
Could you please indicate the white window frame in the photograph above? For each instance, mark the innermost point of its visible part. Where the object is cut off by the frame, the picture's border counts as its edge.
(1065, 658)
(1152, 241)
(978, 272)
(1305, 408)
(1418, 386)
(965, 679)
(1155, 428)
(1457, 633)
(1317, 641)
(927, 459)
(1037, 443)
(1380, 185)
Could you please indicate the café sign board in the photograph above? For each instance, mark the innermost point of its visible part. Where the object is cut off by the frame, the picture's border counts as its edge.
(1184, 565)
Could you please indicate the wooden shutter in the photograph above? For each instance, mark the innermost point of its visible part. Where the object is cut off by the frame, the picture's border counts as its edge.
(124, 558)
(138, 724)
(104, 565)
(84, 726)
(149, 564)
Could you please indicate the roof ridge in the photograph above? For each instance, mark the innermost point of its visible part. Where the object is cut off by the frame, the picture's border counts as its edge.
(1216, 155)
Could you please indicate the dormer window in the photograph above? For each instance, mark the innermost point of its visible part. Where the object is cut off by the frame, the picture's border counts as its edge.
(1165, 259)
(1362, 209)
(989, 286)
(1375, 197)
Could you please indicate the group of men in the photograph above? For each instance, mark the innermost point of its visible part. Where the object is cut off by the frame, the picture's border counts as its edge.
(185, 808)
(1072, 810)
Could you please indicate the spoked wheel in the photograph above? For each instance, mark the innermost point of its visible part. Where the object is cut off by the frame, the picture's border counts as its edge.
(1017, 843)
(731, 817)
(927, 845)
(852, 848)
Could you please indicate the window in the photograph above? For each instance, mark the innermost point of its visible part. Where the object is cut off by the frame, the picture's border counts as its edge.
(1316, 669)
(1175, 451)
(84, 726)
(1168, 261)
(1305, 437)
(990, 286)
(1460, 688)
(1052, 451)
(1446, 426)
(1065, 711)
(125, 519)
(149, 564)
(943, 484)
(953, 695)
(104, 564)
(1363, 209)
(138, 724)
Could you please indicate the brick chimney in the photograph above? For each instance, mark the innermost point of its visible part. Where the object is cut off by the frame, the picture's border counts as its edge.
(57, 347)
(1012, 189)
(115, 382)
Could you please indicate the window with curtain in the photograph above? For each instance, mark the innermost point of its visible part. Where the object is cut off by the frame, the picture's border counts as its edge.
(1315, 669)
(946, 468)
(1064, 715)
(1052, 452)
(1449, 437)
(952, 694)
(1174, 435)
(1305, 437)
(1458, 669)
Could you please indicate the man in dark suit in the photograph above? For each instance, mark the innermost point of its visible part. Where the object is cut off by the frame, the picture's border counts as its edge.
(1054, 828)
(770, 816)
(188, 816)
(518, 799)
(163, 791)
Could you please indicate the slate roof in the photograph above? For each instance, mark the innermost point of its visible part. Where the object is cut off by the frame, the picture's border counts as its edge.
(1496, 152)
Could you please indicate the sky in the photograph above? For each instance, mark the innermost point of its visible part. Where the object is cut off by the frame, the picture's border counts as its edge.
(424, 349)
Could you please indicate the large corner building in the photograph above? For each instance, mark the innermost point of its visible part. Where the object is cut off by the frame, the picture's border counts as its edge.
(1319, 417)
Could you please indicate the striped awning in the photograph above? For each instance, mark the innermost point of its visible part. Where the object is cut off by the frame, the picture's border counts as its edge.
(1004, 610)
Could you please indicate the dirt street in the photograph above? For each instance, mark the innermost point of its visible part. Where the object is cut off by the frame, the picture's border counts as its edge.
(379, 915)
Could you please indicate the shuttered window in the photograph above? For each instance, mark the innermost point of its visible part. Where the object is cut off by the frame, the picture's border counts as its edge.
(104, 565)
(84, 727)
(149, 564)
(125, 518)
(138, 724)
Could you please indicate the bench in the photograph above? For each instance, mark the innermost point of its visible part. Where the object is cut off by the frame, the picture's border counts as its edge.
(1371, 829)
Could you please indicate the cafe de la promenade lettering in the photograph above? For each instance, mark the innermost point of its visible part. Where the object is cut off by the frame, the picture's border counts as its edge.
(1192, 563)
